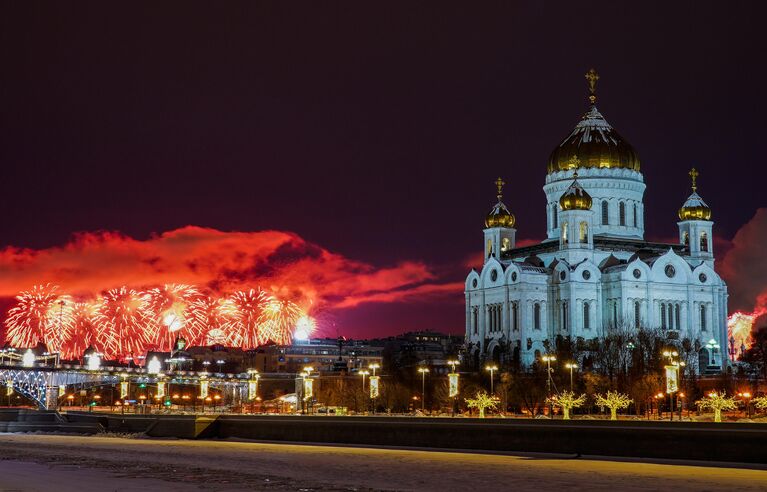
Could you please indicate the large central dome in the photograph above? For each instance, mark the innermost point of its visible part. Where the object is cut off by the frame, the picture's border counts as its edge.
(593, 144)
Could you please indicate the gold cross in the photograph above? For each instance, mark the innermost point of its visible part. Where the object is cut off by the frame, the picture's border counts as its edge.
(592, 76)
(694, 175)
(499, 184)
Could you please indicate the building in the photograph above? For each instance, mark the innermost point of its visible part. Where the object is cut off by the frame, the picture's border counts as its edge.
(322, 354)
(595, 272)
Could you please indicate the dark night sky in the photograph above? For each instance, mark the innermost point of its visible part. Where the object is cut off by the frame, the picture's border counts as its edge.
(372, 129)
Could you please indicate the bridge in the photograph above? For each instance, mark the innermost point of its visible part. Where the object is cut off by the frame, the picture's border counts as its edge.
(44, 380)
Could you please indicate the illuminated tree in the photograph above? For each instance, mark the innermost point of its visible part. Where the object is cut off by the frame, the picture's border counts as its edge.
(567, 400)
(760, 402)
(717, 402)
(614, 401)
(481, 401)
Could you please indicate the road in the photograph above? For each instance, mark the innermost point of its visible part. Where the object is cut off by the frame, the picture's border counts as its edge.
(67, 463)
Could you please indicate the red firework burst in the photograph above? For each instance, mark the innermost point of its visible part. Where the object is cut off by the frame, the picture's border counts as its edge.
(210, 316)
(278, 320)
(83, 331)
(172, 313)
(245, 310)
(123, 322)
(38, 317)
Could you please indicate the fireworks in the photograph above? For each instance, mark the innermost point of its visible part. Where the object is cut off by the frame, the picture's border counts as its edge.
(739, 327)
(125, 322)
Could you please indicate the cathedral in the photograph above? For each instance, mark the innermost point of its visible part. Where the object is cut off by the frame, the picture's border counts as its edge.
(595, 273)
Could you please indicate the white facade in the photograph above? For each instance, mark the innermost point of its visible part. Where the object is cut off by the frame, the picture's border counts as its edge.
(604, 275)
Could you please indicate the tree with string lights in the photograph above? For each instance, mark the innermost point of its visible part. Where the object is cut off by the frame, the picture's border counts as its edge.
(567, 400)
(481, 402)
(614, 401)
(717, 402)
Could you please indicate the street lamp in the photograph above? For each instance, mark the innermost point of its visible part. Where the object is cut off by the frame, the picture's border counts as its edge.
(492, 369)
(571, 366)
(452, 363)
(548, 359)
(363, 373)
(220, 363)
(374, 366)
(423, 371)
(746, 396)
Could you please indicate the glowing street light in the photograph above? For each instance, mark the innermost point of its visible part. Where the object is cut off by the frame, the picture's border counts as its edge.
(220, 363)
(548, 359)
(363, 373)
(374, 366)
(424, 371)
(492, 369)
(571, 366)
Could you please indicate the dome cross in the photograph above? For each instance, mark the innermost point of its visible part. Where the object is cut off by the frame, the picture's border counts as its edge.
(499, 184)
(694, 176)
(592, 76)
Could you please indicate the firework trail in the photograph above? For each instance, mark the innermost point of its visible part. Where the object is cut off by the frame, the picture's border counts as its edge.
(172, 313)
(82, 330)
(246, 310)
(123, 321)
(38, 317)
(209, 316)
(277, 322)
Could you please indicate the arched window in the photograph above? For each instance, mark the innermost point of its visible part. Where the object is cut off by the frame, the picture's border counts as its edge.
(702, 317)
(489, 248)
(515, 315)
(564, 316)
(678, 317)
(537, 316)
(622, 213)
(615, 314)
(475, 319)
(637, 318)
(586, 316)
(605, 213)
(584, 232)
(704, 242)
(505, 244)
(635, 216)
(671, 317)
(686, 238)
(554, 217)
(663, 316)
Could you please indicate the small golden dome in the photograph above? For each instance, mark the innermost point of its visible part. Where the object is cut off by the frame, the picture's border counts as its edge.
(499, 215)
(694, 208)
(593, 143)
(575, 197)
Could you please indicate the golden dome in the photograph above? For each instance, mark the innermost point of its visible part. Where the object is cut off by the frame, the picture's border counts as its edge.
(575, 197)
(694, 208)
(593, 143)
(499, 215)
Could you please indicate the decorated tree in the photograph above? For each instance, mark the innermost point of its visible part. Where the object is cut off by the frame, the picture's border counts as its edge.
(760, 402)
(717, 402)
(614, 401)
(567, 400)
(481, 401)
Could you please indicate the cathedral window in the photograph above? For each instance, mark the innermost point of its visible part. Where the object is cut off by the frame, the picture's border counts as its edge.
(663, 316)
(475, 319)
(505, 244)
(704, 242)
(635, 215)
(564, 232)
(671, 317)
(554, 216)
(702, 317)
(584, 232)
(605, 213)
(615, 314)
(489, 248)
(686, 238)
(622, 213)
(678, 317)
(537, 316)
(586, 316)
(564, 316)
(637, 318)
(515, 315)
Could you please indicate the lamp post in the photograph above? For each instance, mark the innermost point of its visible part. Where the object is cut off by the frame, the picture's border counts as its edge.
(220, 363)
(374, 366)
(571, 366)
(549, 359)
(492, 369)
(364, 374)
(746, 397)
(423, 371)
(672, 372)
